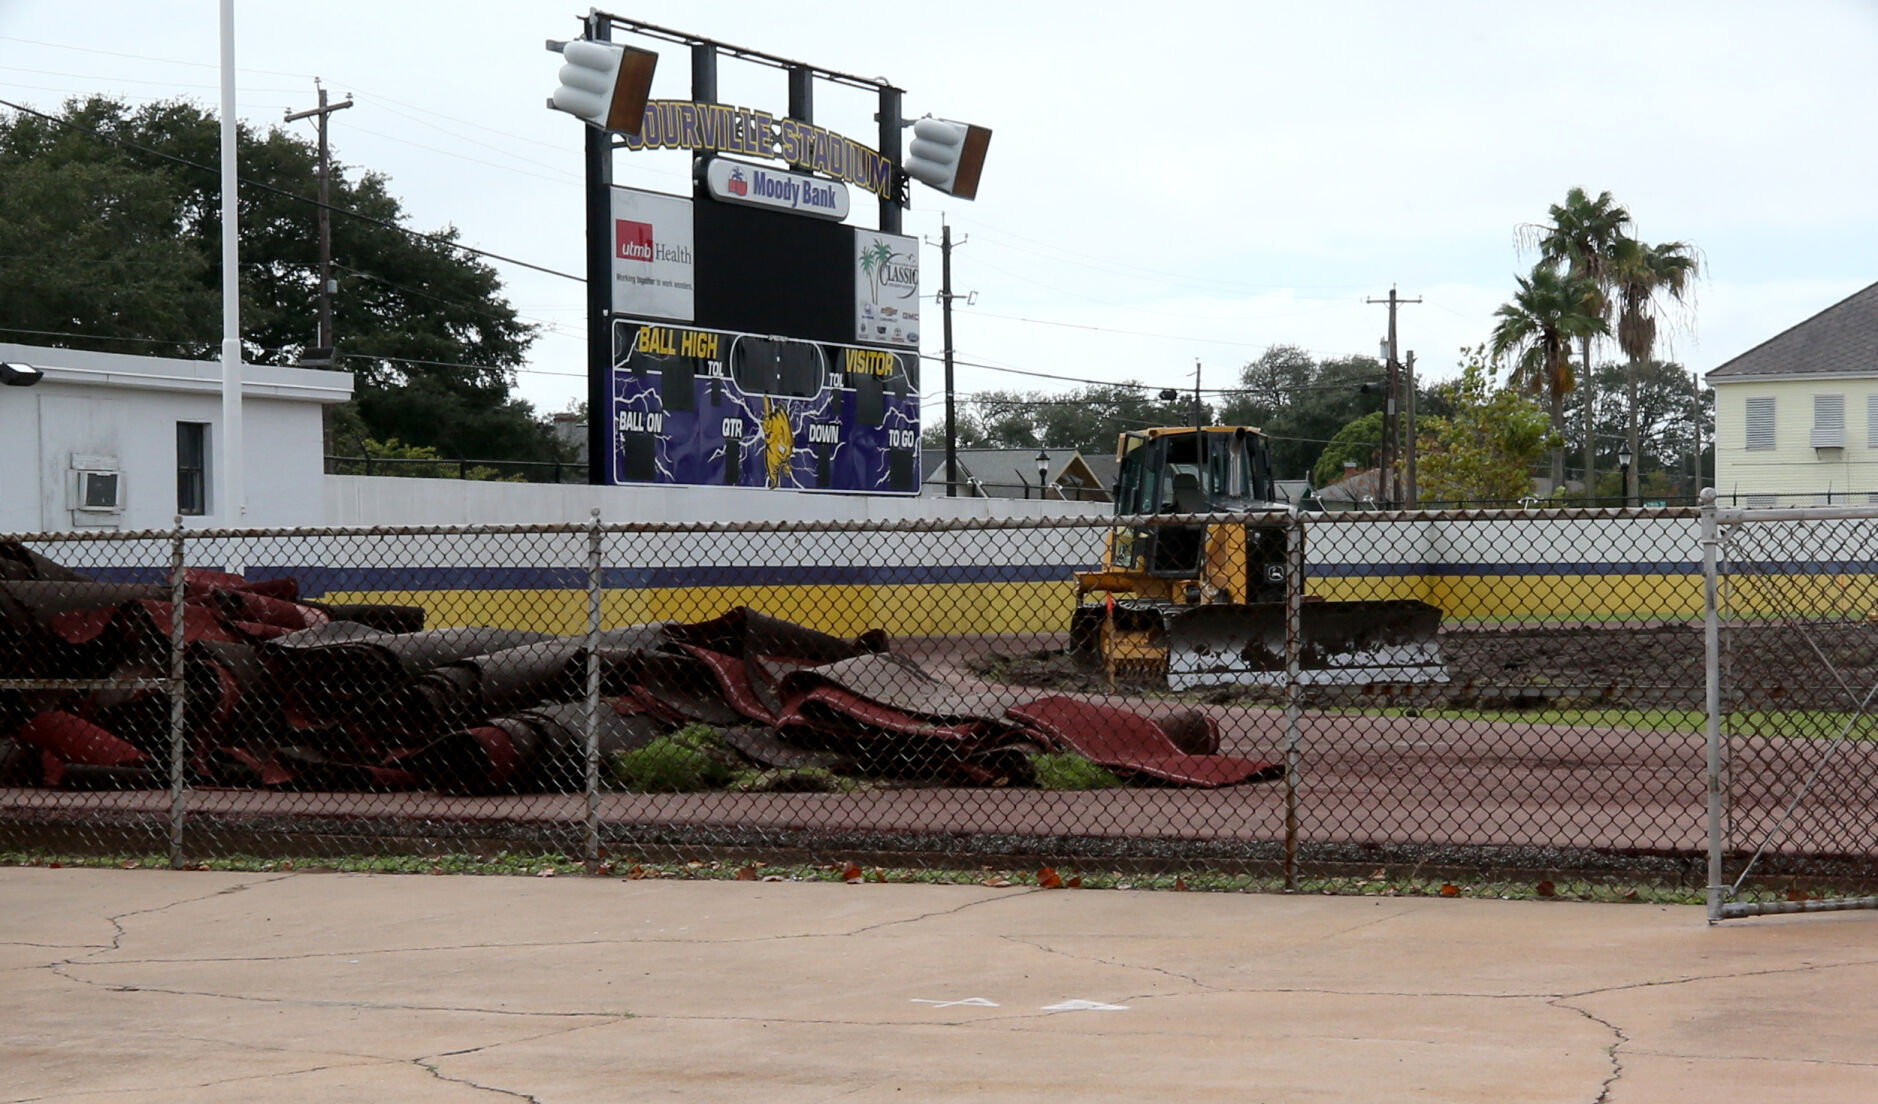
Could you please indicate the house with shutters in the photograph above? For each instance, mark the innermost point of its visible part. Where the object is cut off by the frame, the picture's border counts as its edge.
(1796, 417)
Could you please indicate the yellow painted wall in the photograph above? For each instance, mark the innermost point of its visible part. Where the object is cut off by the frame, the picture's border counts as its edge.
(1041, 607)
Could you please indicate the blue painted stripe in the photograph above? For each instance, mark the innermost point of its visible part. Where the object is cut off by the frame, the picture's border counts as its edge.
(1613, 567)
(316, 579)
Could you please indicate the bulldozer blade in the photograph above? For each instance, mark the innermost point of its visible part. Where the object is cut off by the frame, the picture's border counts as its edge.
(1340, 644)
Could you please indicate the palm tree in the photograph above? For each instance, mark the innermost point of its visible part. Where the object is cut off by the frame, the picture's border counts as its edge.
(1639, 273)
(1584, 236)
(1536, 330)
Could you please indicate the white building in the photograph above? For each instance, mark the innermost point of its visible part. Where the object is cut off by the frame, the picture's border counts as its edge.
(109, 441)
(1796, 417)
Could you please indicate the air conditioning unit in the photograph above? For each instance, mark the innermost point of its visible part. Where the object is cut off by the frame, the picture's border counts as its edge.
(97, 485)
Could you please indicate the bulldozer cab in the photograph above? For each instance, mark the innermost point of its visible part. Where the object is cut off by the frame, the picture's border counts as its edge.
(1215, 469)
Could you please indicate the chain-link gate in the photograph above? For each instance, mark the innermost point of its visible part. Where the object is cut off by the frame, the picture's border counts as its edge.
(1792, 770)
(1480, 701)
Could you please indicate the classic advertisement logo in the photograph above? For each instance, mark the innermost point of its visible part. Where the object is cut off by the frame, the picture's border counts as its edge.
(886, 288)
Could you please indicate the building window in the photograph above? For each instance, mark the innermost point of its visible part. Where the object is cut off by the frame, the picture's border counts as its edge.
(1760, 420)
(1871, 421)
(1828, 421)
(192, 468)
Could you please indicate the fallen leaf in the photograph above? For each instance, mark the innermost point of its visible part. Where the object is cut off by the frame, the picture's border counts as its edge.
(746, 873)
(1546, 889)
(1180, 883)
(635, 872)
(603, 868)
(852, 874)
(1630, 894)
(1449, 889)
(997, 883)
(774, 878)
(880, 875)
(694, 864)
(1074, 883)
(1795, 893)
(1048, 878)
(545, 872)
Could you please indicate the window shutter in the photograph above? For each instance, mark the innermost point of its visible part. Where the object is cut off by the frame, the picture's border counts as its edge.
(1871, 421)
(1828, 421)
(1760, 419)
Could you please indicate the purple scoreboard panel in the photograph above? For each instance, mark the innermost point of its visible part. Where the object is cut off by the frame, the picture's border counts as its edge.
(716, 407)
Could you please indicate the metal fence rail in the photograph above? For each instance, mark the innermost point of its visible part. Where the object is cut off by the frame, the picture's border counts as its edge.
(904, 693)
(1794, 774)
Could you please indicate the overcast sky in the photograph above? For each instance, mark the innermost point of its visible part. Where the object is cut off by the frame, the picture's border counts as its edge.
(1166, 183)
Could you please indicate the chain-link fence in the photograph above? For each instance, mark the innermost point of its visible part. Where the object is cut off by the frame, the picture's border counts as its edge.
(1793, 764)
(1363, 702)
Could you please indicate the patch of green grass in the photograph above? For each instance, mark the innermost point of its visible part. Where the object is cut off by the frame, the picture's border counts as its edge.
(1069, 771)
(1201, 881)
(686, 761)
(792, 780)
(1796, 724)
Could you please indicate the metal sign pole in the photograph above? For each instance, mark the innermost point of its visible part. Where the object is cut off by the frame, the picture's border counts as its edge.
(599, 219)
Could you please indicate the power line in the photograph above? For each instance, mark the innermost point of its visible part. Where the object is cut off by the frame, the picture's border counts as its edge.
(1143, 333)
(145, 57)
(386, 223)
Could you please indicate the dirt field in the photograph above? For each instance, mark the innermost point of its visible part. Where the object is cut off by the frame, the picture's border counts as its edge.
(1617, 665)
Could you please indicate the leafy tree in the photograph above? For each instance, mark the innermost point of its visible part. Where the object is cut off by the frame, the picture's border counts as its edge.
(106, 246)
(966, 426)
(1269, 384)
(394, 457)
(1674, 415)
(1484, 449)
(1583, 236)
(1536, 330)
(1641, 273)
(1360, 443)
(1089, 418)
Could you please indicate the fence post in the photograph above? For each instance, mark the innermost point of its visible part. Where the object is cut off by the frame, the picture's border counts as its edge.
(178, 681)
(594, 584)
(1711, 662)
(1294, 691)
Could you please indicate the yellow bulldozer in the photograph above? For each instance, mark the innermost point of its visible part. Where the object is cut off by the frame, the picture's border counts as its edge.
(1204, 604)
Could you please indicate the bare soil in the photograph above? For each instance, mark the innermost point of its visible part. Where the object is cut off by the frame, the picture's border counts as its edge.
(1617, 665)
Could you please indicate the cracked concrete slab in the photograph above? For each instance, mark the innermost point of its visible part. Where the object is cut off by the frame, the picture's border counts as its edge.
(160, 986)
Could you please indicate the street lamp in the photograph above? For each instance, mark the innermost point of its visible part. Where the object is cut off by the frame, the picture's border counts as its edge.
(1043, 471)
(1623, 464)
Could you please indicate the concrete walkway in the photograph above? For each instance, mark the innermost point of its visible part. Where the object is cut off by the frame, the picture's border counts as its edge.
(152, 986)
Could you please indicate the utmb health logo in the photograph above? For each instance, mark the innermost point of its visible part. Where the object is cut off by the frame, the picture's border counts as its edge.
(634, 241)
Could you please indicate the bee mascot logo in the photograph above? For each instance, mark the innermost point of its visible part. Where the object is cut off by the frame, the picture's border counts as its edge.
(779, 442)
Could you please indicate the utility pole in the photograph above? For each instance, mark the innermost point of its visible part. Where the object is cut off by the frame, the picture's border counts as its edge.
(1409, 501)
(327, 285)
(945, 315)
(1391, 428)
(1196, 393)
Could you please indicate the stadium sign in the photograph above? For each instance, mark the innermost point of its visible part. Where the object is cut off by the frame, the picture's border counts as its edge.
(761, 186)
(721, 128)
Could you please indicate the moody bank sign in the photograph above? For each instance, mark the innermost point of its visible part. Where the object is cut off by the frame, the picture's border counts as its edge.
(761, 186)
